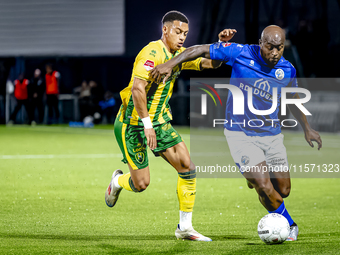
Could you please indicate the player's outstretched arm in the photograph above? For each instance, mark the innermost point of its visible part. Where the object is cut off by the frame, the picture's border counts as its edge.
(310, 134)
(210, 64)
(190, 53)
(139, 101)
(226, 34)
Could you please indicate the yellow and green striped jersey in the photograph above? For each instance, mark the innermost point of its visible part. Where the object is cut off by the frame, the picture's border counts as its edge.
(157, 95)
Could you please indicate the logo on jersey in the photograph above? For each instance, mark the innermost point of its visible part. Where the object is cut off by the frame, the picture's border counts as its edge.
(166, 127)
(139, 149)
(262, 84)
(140, 157)
(153, 53)
(149, 65)
(251, 63)
(226, 44)
(279, 74)
(261, 88)
(245, 160)
(174, 135)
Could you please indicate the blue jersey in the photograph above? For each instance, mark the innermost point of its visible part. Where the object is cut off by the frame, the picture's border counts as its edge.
(251, 71)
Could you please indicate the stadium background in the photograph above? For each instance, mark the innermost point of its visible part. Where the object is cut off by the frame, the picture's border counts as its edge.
(98, 40)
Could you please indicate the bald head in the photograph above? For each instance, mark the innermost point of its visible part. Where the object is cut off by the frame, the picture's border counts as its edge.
(273, 34)
(272, 44)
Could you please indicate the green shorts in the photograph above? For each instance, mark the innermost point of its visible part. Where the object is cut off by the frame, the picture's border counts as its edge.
(132, 142)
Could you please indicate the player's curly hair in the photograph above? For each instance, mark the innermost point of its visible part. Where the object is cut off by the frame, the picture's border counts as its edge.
(174, 15)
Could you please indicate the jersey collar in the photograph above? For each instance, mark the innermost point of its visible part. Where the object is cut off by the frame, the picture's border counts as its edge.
(172, 55)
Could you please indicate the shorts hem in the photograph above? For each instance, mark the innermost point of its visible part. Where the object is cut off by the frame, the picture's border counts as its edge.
(124, 160)
(164, 148)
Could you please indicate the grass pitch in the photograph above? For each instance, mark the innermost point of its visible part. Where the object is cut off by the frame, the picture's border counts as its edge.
(52, 184)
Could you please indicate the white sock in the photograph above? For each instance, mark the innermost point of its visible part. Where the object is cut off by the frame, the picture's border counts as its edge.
(185, 220)
(115, 181)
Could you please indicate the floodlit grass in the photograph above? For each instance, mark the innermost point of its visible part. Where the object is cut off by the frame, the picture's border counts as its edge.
(52, 184)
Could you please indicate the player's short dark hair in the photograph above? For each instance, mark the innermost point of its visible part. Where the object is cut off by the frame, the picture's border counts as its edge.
(171, 16)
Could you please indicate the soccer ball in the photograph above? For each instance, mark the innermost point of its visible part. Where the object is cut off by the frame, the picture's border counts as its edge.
(273, 228)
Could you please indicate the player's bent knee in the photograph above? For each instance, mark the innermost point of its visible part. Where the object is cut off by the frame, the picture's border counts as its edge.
(142, 185)
(264, 188)
(183, 166)
(192, 166)
(285, 192)
(186, 164)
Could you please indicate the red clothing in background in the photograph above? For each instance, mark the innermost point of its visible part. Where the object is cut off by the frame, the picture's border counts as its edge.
(52, 83)
(20, 90)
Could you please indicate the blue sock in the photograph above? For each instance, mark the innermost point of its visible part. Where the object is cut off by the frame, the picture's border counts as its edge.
(283, 211)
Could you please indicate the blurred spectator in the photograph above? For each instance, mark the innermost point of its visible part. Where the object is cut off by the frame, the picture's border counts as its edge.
(85, 90)
(90, 94)
(36, 93)
(107, 106)
(84, 100)
(21, 94)
(52, 93)
(97, 95)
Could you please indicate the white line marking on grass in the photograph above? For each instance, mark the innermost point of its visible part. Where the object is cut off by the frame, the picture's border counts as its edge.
(58, 156)
(227, 153)
(327, 143)
(304, 144)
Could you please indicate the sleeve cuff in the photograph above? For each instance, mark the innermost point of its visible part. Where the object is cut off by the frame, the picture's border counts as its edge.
(140, 77)
(211, 51)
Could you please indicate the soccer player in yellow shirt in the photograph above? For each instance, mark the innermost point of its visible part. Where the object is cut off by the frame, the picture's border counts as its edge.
(144, 120)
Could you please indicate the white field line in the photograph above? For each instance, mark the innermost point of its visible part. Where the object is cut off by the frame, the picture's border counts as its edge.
(227, 153)
(327, 143)
(66, 130)
(331, 142)
(77, 156)
(58, 156)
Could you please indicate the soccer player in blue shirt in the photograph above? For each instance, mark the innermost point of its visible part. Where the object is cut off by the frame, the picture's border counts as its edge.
(256, 146)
